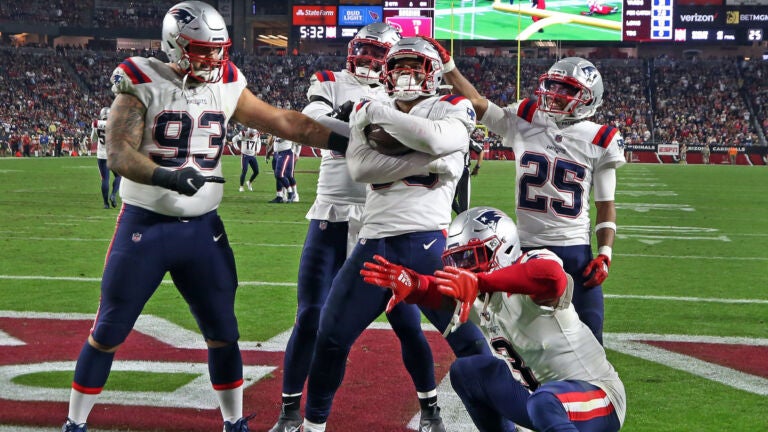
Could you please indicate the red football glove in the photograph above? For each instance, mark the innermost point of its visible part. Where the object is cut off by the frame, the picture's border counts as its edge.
(445, 56)
(597, 271)
(460, 284)
(401, 280)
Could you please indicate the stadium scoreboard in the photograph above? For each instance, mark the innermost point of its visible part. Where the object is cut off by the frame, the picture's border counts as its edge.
(411, 17)
(710, 21)
(332, 21)
(342, 21)
(693, 21)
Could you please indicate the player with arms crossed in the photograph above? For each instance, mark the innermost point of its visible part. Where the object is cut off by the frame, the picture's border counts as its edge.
(334, 223)
(165, 135)
(395, 221)
(559, 157)
(548, 372)
(97, 136)
(248, 143)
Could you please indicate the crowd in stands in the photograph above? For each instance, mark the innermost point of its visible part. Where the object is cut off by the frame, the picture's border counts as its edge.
(87, 13)
(658, 100)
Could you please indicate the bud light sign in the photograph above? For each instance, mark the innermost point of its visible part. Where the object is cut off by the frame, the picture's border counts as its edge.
(359, 16)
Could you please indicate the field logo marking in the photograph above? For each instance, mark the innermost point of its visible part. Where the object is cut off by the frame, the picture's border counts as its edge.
(729, 360)
(660, 233)
(646, 207)
(39, 342)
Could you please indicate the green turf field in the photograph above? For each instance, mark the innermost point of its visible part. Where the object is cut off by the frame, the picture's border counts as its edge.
(690, 260)
(478, 20)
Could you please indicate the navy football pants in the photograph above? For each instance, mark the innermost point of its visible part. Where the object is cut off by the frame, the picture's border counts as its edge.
(496, 401)
(353, 304)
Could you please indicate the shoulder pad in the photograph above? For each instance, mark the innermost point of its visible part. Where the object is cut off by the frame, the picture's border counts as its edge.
(604, 136)
(229, 73)
(539, 254)
(132, 71)
(326, 75)
(453, 99)
(527, 109)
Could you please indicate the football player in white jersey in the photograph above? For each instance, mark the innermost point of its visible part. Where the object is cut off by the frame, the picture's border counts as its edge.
(282, 167)
(248, 143)
(165, 135)
(396, 221)
(334, 222)
(97, 135)
(560, 156)
(548, 372)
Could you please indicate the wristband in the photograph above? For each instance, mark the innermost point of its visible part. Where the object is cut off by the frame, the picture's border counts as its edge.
(163, 178)
(605, 250)
(447, 67)
(337, 142)
(601, 225)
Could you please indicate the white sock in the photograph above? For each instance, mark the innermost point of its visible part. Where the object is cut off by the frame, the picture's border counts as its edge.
(429, 394)
(80, 405)
(231, 403)
(313, 427)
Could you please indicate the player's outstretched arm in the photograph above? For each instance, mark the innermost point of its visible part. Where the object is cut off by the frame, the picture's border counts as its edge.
(406, 284)
(454, 77)
(292, 125)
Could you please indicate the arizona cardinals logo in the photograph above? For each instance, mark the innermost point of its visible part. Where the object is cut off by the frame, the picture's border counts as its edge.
(374, 16)
(490, 218)
(182, 15)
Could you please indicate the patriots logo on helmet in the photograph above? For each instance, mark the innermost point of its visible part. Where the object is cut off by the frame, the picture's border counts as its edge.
(490, 218)
(591, 73)
(182, 15)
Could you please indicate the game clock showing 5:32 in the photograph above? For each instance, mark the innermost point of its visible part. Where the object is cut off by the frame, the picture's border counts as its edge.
(317, 32)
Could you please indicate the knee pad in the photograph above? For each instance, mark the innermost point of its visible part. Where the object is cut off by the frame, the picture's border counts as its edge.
(110, 334)
(546, 411)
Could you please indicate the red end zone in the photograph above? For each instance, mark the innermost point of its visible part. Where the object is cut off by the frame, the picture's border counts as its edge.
(377, 393)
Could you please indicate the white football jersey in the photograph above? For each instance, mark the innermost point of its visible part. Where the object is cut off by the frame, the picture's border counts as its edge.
(248, 142)
(282, 144)
(543, 344)
(421, 202)
(98, 135)
(183, 127)
(554, 169)
(337, 193)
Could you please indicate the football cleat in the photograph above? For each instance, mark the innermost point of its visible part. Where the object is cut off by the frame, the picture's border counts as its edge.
(106, 206)
(431, 421)
(70, 426)
(241, 425)
(289, 421)
(277, 200)
(250, 187)
(241, 189)
(113, 200)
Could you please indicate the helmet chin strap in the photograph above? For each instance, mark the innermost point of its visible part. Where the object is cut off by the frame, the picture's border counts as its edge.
(367, 75)
(404, 86)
